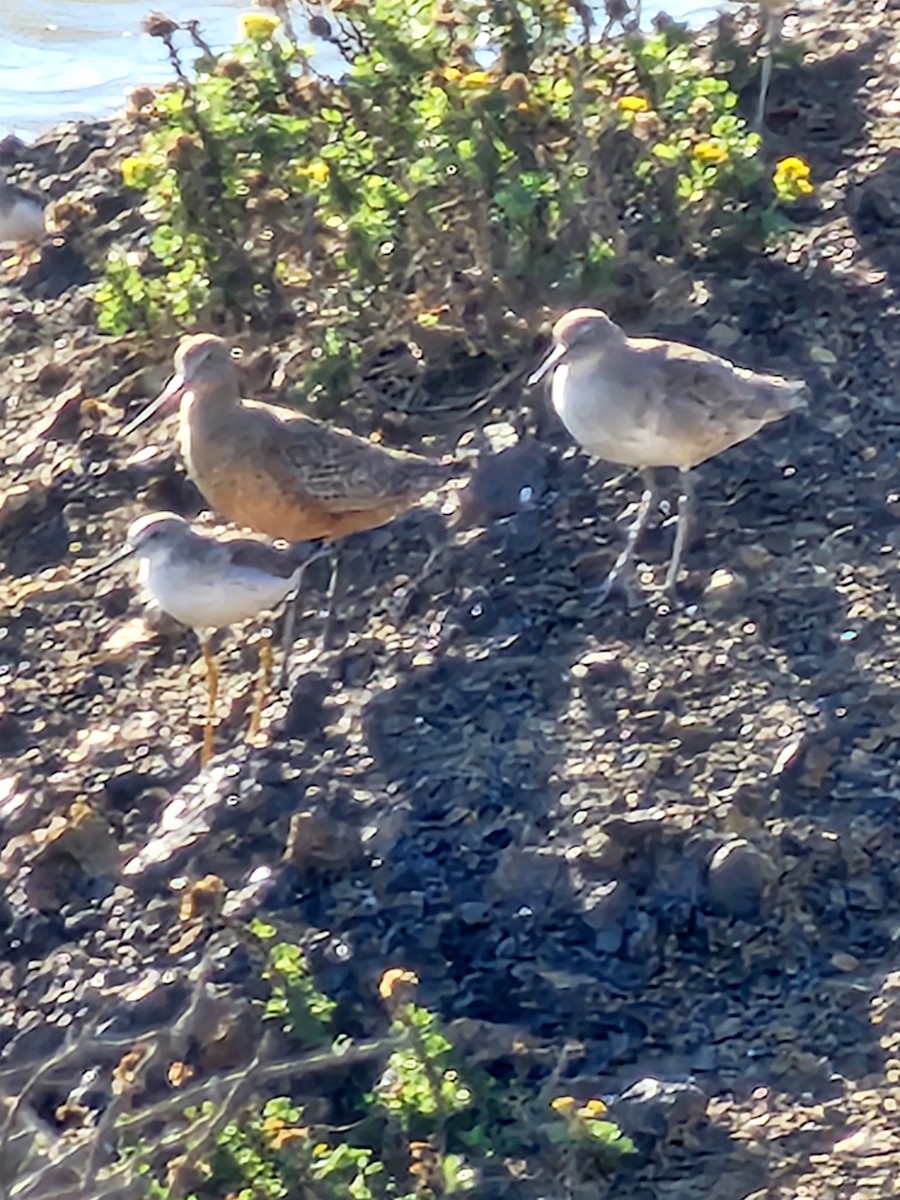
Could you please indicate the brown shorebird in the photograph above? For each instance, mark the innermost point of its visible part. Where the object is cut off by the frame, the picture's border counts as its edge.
(647, 403)
(207, 583)
(21, 220)
(276, 471)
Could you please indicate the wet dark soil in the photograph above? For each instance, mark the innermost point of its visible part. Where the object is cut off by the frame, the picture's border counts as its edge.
(664, 838)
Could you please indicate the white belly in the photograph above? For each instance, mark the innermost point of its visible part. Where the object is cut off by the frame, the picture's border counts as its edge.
(213, 599)
(610, 427)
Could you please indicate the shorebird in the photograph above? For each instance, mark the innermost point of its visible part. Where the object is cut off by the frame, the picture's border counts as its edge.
(21, 220)
(276, 471)
(207, 583)
(647, 403)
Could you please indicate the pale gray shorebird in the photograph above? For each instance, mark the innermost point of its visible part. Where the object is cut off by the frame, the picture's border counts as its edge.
(276, 471)
(22, 220)
(647, 403)
(208, 583)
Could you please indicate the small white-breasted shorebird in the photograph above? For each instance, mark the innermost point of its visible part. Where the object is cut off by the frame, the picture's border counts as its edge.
(22, 220)
(646, 403)
(207, 583)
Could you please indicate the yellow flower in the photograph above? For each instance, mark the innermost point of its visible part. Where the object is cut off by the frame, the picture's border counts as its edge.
(317, 171)
(794, 167)
(475, 79)
(632, 104)
(792, 178)
(592, 1109)
(133, 168)
(256, 26)
(564, 1105)
(711, 152)
(464, 78)
(393, 979)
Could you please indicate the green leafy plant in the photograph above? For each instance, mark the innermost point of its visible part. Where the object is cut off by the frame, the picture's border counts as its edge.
(273, 1154)
(303, 1012)
(424, 1082)
(432, 1125)
(426, 176)
(588, 1133)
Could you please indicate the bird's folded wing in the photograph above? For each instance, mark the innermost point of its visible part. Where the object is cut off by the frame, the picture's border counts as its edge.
(713, 389)
(347, 473)
(253, 555)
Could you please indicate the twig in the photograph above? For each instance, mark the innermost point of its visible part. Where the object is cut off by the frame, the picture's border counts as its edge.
(193, 28)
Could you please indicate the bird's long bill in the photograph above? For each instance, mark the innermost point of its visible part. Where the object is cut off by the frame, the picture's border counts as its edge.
(100, 567)
(167, 399)
(552, 359)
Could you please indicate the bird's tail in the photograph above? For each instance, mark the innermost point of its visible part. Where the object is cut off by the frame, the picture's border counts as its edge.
(799, 394)
(789, 395)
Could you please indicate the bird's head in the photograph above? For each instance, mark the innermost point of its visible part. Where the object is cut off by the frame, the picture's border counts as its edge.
(581, 334)
(202, 362)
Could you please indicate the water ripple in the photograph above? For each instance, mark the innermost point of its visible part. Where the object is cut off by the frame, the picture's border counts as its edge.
(70, 59)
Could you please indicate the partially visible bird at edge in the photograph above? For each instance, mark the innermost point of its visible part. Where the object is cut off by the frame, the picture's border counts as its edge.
(22, 222)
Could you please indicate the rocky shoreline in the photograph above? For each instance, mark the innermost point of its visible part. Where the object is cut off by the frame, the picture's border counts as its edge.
(667, 840)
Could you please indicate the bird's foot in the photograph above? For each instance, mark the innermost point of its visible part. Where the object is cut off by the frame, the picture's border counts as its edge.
(254, 725)
(207, 749)
(398, 606)
(670, 583)
(628, 582)
(622, 579)
(329, 634)
(666, 597)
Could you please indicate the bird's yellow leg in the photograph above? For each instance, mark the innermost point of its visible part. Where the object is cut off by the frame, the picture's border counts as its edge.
(212, 692)
(263, 681)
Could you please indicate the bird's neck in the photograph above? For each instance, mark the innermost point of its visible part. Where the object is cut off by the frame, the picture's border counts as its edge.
(208, 406)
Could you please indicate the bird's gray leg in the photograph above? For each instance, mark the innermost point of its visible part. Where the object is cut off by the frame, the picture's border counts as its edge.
(771, 35)
(328, 628)
(398, 605)
(765, 76)
(625, 558)
(685, 499)
(287, 636)
(290, 614)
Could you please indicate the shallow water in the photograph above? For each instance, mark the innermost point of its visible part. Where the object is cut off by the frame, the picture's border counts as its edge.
(69, 59)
